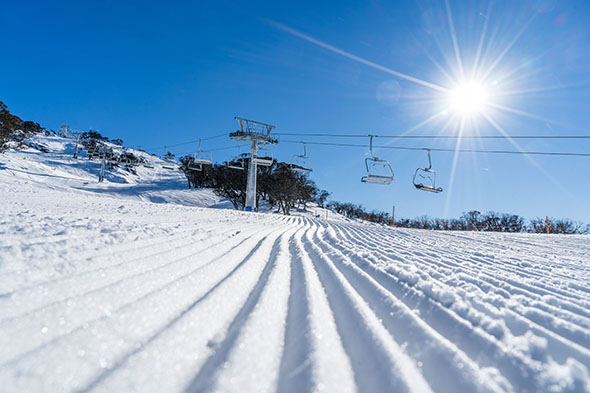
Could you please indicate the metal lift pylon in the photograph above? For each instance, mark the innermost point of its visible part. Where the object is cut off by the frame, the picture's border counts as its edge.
(258, 134)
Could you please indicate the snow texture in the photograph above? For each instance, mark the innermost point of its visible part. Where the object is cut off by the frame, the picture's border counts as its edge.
(137, 284)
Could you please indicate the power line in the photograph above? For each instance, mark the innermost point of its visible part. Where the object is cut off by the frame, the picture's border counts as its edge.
(446, 150)
(435, 136)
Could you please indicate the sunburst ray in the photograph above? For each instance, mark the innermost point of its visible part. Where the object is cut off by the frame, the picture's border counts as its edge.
(358, 59)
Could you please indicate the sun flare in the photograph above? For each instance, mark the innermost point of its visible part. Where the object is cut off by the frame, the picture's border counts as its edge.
(468, 98)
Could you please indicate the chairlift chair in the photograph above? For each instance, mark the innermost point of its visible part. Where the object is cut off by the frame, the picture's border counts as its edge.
(301, 163)
(264, 159)
(169, 163)
(203, 157)
(378, 171)
(425, 178)
(237, 162)
(194, 165)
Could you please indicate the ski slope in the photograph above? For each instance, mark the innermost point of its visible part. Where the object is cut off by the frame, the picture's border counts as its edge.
(103, 290)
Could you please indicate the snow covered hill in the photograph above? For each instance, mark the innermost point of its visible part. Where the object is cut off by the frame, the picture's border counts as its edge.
(101, 289)
(159, 182)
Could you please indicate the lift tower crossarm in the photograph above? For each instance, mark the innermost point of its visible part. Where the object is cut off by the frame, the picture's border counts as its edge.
(258, 134)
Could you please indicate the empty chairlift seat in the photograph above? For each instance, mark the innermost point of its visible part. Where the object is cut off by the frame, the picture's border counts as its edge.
(301, 162)
(378, 171)
(238, 162)
(425, 178)
(203, 157)
(193, 165)
(264, 157)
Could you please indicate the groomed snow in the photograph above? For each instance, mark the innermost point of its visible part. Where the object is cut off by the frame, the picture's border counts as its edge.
(137, 285)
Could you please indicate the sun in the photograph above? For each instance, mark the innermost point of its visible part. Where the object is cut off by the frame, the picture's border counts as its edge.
(468, 98)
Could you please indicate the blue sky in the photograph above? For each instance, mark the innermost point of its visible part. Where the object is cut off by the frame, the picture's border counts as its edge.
(158, 74)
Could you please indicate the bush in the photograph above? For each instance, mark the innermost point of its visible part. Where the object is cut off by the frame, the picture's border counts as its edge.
(14, 129)
(93, 135)
(277, 184)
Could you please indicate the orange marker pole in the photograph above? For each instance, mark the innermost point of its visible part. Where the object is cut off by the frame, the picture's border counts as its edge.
(547, 223)
(393, 216)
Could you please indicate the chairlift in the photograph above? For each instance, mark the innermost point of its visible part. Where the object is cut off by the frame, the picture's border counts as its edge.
(264, 157)
(237, 162)
(425, 178)
(169, 163)
(378, 171)
(202, 156)
(301, 163)
(193, 165)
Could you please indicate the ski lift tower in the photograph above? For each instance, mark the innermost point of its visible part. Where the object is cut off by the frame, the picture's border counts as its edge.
(258, 134)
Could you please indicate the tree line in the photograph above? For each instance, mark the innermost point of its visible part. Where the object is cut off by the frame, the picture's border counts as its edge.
(472, 220)
(495, 222)
(278, 184)
(351, 210)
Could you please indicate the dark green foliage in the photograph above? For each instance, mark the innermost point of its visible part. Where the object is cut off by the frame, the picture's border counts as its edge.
(95, 135)
(283, 187)
(351, 210)
(30, 127)
(198, 176)
(556, 225)
(128, 157)
(228, 183)
(493, 222)
(129, 161)
(321, 197)
(14, 129)
(277, 184)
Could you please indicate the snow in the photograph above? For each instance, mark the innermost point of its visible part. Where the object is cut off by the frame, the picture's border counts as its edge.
(139, 284)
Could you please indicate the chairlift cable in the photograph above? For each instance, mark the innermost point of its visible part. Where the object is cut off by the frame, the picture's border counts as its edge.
(333, 135)
(217, 149)
(186, 143)
(435, 136)
(446, 150)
